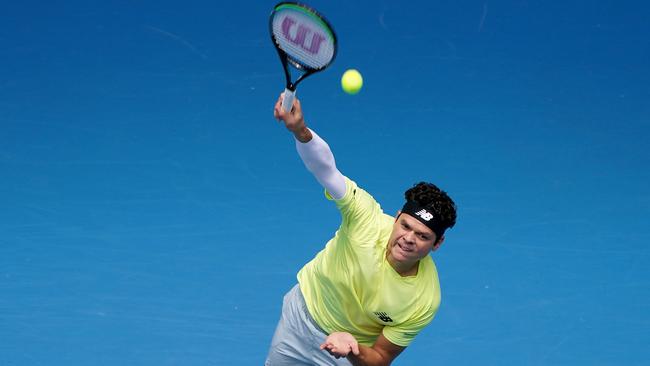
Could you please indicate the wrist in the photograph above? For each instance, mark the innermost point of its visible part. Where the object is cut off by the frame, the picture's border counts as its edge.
(303, 134)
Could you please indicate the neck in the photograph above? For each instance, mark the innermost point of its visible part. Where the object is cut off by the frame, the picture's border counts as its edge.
(403, 270)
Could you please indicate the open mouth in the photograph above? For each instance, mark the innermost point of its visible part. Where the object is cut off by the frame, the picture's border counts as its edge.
(404, 248)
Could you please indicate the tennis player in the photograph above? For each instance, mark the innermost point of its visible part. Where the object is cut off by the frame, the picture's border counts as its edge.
(373, 287)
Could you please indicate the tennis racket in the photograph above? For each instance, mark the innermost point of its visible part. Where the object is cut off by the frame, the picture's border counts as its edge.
(305, 41)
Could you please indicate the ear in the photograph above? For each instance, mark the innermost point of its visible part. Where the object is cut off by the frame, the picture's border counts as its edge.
(438, 244)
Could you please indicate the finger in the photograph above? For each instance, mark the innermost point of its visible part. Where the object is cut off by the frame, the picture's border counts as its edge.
(276, 110)
(295, 106)
(279, 112)
(355, 348)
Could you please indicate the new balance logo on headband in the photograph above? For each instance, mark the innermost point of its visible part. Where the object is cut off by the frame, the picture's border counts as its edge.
(421, 214)
(424, 214)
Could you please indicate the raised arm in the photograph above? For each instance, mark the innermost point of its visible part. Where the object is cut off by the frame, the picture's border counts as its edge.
(313, 150)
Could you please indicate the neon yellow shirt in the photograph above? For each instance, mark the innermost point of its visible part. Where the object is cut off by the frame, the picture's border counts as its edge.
(351, 287)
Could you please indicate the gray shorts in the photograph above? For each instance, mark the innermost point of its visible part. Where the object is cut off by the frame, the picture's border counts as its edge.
(297, 338)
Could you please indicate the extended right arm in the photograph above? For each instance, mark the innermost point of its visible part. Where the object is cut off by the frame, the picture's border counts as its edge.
(313, 150)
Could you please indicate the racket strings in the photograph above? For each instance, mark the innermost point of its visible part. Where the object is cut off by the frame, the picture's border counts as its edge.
(312, 48)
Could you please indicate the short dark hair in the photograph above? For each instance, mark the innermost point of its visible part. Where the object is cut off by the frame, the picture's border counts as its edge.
(436, 201)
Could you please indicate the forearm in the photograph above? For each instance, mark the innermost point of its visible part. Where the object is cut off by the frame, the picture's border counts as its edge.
(343, 344)
(319, 160)
(368, 357)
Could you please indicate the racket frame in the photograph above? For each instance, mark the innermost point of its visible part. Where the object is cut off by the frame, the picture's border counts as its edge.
(287, 61)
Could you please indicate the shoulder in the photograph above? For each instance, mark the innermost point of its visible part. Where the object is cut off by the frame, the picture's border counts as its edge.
(355, 198)
(351, 188)
(363, 217)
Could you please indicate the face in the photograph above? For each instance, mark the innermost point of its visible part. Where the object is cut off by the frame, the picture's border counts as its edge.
(409, 242)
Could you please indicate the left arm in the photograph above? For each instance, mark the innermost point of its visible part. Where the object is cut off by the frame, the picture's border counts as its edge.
(382, 353)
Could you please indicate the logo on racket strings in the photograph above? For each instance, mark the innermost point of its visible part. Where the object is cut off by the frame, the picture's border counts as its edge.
(301, 35)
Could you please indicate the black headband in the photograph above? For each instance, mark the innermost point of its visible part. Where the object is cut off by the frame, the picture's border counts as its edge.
(424, 216)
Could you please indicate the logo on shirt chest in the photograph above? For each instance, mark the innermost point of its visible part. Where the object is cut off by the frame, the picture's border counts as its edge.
(383, 317)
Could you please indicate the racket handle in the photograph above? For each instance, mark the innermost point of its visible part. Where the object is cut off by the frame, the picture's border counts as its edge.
(287, 100)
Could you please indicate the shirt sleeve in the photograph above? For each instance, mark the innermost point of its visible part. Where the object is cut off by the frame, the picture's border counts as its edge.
(404, 334)
(360, 212)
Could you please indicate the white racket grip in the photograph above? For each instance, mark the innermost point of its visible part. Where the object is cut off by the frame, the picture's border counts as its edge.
(287, 100)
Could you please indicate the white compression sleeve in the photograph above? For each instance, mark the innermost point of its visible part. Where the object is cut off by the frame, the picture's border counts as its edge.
(319, 160)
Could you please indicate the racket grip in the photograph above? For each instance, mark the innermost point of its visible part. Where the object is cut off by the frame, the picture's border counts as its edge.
(287, 100)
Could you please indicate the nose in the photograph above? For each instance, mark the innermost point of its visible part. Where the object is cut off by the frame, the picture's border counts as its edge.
(409, 237)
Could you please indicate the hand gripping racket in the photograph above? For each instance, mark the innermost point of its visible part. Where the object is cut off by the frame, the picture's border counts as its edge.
(304, 40)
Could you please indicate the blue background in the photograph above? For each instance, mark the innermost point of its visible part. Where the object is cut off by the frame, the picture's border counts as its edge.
(152, 211)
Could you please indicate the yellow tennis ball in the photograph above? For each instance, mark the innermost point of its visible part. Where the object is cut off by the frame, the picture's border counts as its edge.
(351, 81)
